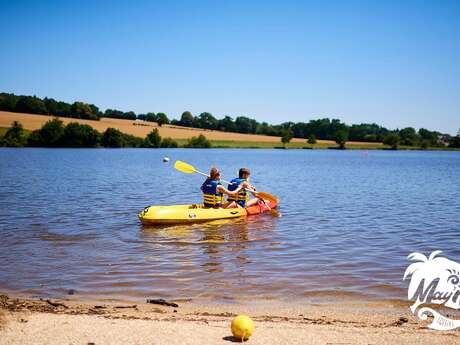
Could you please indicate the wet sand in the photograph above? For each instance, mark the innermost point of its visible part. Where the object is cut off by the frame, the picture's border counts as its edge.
(71, 322)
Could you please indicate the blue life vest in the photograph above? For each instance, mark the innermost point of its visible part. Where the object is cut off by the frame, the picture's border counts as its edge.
(242, 197)
(211, 197)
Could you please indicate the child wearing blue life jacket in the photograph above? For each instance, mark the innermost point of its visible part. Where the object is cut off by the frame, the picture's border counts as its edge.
(242, 184)
(213, 190)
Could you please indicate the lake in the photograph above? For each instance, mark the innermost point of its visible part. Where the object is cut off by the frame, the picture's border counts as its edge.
(68, 224)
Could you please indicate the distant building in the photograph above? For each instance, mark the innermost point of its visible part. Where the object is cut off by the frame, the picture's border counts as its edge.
(444, 139)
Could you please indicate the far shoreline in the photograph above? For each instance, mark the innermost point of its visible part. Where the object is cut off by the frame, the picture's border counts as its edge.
(236, 147)
(218, 139)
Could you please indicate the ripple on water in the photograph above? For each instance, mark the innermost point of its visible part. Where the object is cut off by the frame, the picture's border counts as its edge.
(68, 220)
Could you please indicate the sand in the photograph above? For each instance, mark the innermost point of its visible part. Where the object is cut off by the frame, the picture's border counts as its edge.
(38, 322)
(142, 128)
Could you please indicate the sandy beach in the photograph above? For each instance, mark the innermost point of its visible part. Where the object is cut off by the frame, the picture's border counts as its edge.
(96, 322)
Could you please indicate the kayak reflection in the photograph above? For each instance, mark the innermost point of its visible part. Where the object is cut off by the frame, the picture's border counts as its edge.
(210, 247)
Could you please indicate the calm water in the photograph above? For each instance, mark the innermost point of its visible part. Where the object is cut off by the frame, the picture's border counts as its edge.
(68, 220)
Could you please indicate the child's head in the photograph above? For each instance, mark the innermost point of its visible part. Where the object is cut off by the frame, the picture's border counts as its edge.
(244, 173)
(214, 173)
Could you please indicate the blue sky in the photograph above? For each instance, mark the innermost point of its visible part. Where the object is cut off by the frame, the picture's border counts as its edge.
(396, 63)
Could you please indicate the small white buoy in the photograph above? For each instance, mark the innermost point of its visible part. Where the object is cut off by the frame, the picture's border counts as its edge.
(165, 159)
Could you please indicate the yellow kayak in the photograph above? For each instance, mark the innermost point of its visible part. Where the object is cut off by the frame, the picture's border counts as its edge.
(179, 214)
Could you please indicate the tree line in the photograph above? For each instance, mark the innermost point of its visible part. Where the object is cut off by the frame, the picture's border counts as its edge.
(325, 128)
(55, 134)
(48, 106)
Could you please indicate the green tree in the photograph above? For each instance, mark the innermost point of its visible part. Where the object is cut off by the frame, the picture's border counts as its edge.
(151, 117)
(153, 139)
(392, 139)
(311, 139)
(455, 141)
(266, 129)
(186, 119)
(95, 111)
(34, 139)
(162, 119)
(244, 124)
(321, 128)
(49, 135)
(132, 141)
(169, 143)
(130, 115)
(8, 101)
(82, 110)
(371, 138)
(341, 138)
(112, 138)
(113, 113)
(77, 135)
(367, 132)
(15, 136)
(431, 137)
(253, 124)
(408, 136)
(207, 121)
(198, 142)
(63, 109)
(31, 105)
(286, 137)
(51, 106)
(226, 124)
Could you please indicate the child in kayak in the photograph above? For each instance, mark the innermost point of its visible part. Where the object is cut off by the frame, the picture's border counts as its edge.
(241, 183)
(213, 190)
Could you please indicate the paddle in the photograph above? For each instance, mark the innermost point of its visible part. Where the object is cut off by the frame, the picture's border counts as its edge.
(190, 169)
(267, 196)
(187, 168)
(272, 211)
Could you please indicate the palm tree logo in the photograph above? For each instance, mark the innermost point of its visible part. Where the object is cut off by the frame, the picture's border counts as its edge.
(434, 280)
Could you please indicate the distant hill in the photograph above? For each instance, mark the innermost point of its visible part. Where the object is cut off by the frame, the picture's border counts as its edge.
(141, 128)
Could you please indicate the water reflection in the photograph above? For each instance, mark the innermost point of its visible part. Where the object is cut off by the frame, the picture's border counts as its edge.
(216, 240)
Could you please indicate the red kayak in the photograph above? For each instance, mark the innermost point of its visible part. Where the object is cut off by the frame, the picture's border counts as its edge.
(261, 207)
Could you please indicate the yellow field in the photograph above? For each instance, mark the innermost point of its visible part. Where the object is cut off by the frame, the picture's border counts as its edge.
(142, 128)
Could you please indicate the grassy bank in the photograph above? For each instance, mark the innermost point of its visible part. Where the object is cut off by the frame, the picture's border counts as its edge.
(279, 145)
(305, 145)
(235, 144)
(256, 144)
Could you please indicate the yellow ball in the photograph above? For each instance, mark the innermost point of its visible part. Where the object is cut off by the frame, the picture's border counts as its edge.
(242, 327)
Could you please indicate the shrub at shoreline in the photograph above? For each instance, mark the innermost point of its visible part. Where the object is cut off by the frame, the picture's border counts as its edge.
(54, 134)
(198, 142)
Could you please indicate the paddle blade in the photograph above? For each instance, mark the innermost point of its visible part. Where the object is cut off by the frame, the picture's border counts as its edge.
(274, 212)
(184, 167)
(267, 196)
